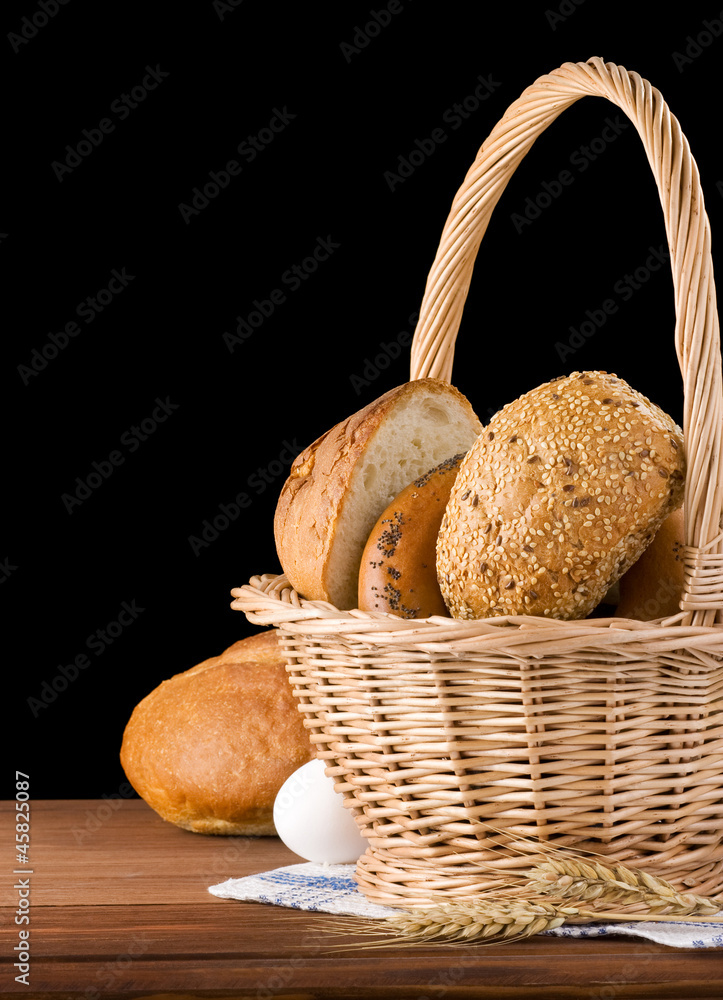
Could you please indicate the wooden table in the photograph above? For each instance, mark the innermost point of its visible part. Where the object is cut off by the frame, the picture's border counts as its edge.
(119, 907)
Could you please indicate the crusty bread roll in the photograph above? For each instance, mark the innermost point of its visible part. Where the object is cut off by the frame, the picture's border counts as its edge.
(561, 493)
(209, 748)
(653, 586)
(340, 484)
(398, 572)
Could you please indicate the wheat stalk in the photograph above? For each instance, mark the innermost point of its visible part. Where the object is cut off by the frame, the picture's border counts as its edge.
(484, 922)
(582, 880)
(538, 899)
(543, 898)
(497, 919)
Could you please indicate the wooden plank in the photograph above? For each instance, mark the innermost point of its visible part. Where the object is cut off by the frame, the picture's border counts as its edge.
(94, 853)
(518, 975)
(247, 949)
(126, 912)
(264, 950)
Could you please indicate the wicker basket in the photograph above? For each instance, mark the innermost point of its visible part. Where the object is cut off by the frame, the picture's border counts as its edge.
(455, 741)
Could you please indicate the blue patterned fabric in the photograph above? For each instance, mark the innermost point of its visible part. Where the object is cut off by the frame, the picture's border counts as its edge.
(308, 886)
(332, 889)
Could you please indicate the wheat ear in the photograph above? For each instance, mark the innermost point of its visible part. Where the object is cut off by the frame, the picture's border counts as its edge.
(570, 878)
(484, 922)
(494, 919)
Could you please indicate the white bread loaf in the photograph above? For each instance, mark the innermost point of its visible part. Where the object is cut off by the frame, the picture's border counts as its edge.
(340, 484)
(209, 748)
(559, 496)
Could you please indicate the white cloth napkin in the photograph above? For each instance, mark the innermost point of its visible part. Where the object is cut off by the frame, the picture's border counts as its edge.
(332, 889)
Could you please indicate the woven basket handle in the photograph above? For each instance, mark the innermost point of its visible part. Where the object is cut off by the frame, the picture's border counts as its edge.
(697, 333)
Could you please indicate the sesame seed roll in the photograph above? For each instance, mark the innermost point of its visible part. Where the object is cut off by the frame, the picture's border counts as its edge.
(560, 494)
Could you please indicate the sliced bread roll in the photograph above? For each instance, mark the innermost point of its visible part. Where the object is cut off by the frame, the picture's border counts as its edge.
(340, 484)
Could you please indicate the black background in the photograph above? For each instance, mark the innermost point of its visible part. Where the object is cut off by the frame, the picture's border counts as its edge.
(350, 115)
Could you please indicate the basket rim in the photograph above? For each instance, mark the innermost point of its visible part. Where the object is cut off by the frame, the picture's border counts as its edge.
(270, 599)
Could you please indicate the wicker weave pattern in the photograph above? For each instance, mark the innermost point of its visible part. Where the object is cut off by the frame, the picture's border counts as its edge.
(451, 739)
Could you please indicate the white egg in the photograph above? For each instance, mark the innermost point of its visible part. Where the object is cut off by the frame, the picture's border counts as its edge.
(310, 818)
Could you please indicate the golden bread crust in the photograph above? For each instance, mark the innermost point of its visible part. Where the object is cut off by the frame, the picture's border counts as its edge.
(561, 493)
(653, 586)
(322, 479)
(398, 572)
(210, 747)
